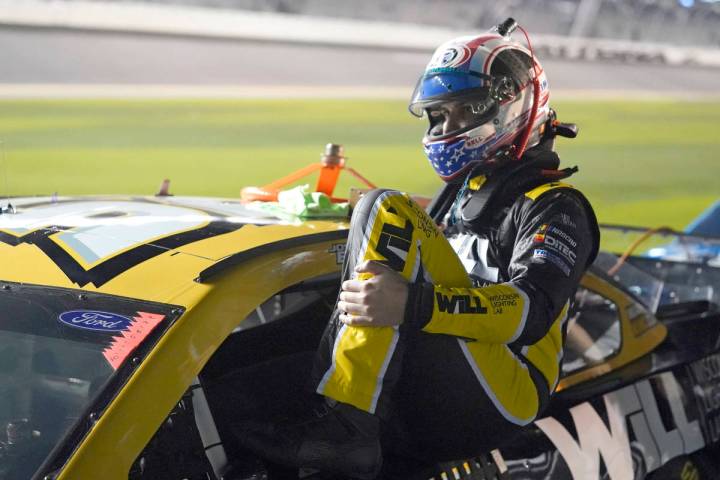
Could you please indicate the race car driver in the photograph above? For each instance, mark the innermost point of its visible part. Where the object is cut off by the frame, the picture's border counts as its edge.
(447, 340)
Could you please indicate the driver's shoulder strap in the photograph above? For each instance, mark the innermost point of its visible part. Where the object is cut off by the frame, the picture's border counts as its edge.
(538, 191)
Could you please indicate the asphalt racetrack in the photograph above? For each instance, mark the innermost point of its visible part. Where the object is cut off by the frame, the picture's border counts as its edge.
(67, 57)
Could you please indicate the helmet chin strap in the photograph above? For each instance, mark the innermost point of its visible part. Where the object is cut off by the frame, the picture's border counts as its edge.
(522, 143)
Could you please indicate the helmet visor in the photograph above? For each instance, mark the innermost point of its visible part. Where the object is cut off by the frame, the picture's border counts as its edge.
(438, 87)
(454, 117)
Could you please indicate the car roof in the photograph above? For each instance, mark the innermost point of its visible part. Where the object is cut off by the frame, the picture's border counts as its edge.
(139, 247)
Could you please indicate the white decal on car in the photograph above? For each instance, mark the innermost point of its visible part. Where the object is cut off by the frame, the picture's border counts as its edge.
(635, 404)
(97, 230)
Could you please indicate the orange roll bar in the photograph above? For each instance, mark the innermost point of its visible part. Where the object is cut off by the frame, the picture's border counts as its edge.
(332, 162)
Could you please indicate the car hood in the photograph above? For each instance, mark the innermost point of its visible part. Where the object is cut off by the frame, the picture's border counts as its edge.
(143, 247)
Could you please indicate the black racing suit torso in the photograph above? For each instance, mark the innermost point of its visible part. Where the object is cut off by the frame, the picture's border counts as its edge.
(521, 227)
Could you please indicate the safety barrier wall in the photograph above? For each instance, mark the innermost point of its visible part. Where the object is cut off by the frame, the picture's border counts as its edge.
(163, 19)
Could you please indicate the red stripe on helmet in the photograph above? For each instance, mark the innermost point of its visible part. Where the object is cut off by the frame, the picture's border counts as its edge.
(476, 42)
(493, 53)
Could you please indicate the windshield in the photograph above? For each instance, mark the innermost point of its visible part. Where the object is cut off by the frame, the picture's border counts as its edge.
(661, 266)
(645, 287)
(62, 355)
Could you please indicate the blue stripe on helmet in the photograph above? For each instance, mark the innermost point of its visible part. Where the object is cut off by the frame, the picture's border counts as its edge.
(445, 81)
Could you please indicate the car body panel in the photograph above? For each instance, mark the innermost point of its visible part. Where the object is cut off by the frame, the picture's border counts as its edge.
(632, 430)
(144, 402)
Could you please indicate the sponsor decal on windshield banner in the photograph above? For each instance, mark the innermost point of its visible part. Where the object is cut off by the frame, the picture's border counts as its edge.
(95, 321)
(124, 344)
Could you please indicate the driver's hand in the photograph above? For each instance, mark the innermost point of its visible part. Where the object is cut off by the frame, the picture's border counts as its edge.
(378, 301)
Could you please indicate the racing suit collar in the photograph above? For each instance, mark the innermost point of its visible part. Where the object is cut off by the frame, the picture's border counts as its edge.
(503, 185)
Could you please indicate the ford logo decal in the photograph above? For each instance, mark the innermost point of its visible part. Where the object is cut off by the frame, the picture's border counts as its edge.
(96, 321)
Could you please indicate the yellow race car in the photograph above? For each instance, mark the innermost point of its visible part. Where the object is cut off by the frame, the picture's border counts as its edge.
(135, 331)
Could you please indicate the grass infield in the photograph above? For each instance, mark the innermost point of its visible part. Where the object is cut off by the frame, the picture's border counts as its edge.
(649, 163)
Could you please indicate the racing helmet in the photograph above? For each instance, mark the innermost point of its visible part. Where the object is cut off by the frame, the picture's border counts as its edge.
(486, 99)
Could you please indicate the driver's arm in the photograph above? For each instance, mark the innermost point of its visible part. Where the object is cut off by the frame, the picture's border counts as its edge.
(553, 244)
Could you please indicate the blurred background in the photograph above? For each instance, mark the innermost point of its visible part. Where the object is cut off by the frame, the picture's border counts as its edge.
(114, 96)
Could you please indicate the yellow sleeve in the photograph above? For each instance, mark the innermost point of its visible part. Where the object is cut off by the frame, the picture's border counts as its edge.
(495, 314)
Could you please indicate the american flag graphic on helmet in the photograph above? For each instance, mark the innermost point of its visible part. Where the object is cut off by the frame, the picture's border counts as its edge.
(449, 158)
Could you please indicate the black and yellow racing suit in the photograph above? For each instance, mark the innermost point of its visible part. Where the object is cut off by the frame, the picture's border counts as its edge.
(479, 351)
